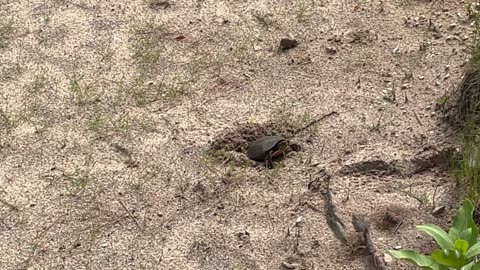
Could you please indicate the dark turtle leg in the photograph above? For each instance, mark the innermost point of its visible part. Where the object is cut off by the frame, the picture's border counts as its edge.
(269, 161)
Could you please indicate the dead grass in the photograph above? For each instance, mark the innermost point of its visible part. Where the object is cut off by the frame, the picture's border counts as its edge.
(6, 33)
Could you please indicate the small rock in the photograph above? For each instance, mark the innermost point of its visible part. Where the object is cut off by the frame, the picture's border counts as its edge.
(420, 77)
(404, 86)
(438, 210)
(452, 26)
(395, 50)
(150, 83)
(331, 50)
(397, 247)
(159, 4)
(294, 266)
(387, 258)
(298, 220)
(104, 244)
(243, 236)
(446, 76)
(437, 83)
(288, 43)
(436, 35)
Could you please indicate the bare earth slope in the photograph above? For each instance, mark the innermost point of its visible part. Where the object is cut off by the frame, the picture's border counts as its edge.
(108, 110)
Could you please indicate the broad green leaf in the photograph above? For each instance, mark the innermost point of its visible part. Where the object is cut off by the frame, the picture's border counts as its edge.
(461, 245)
(469, 266)
(418, 259)
(464, 220)
(440, 236)
(466, 234)
(449, 257)
(473, 251)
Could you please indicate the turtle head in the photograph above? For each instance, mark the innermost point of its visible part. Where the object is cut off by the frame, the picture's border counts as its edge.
(295, 147)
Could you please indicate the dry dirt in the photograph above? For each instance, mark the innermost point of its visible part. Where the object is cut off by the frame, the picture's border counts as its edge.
(109, 111)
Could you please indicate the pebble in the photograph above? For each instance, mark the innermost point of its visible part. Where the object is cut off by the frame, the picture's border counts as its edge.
(288, 43)
(397, 247)
(437, 35)
(438, 210)
(450, 37)
(387, 258)
(104, 244)
(452, 26)
(291, 265)
(331, 50)
(298, 220)
(420, 77)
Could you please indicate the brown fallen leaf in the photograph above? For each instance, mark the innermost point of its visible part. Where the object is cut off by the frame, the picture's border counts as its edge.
(180, 37)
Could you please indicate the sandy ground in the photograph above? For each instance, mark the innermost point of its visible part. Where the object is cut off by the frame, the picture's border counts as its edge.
(108, 110)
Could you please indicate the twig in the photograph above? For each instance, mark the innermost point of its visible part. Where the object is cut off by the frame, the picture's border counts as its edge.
(361, 224)
(314, 122)
(27, 262)
(416, 117)
(129, 214)
(333, 221)
(398, 226)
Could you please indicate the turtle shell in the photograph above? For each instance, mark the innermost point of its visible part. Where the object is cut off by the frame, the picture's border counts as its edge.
(259, 149)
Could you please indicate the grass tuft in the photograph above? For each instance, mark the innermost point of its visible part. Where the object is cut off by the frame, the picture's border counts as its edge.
(466, 162)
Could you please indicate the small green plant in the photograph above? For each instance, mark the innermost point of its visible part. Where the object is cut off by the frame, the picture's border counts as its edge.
(457, 249)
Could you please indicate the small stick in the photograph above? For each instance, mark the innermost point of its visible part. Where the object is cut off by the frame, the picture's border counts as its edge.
(333, 221)
(416, 117)
(398, 226)
(314, 122)
(129, 214)
(361, 225)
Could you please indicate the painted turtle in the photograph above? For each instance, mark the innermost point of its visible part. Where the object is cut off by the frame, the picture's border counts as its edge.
(265, 149)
